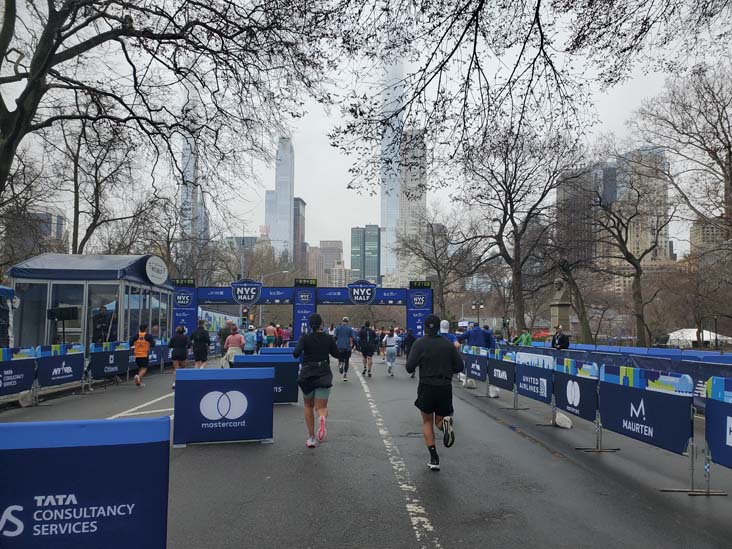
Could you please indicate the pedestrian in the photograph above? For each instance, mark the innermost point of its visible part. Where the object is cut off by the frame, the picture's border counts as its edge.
(315, 378)
(141, 345)
(369, 345)
(382, 349)
(409, 340)
(278, 336)
(331, 330)
(560, 340)
(100, 326)
(200, 340)
(343, 335)
(270, 333)
(445, 332)
(233, 346)
(224, 332)
(437, 361)
(490, 341)
(178, 345)
(260, 338)
(390, 344)
(250, 341)
(286, 336)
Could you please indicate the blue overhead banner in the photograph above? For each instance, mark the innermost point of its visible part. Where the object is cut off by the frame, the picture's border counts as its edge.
(535, 383)
(16, 376)
(304, 307)
(60, 369)
(501, 373)
(576, 395)
(476, 366)
(286, 368)
(361, 295)
(718, 420)
(653, 417)
(248, 292)
(216, 405)
(57, 490)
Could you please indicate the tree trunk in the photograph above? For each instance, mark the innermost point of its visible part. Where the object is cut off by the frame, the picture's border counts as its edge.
(728, 197)
(700, 334)
(519, 307)
(578, 303)
(640, 322)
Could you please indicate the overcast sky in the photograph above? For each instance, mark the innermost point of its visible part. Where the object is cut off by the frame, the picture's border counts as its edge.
(321, 172)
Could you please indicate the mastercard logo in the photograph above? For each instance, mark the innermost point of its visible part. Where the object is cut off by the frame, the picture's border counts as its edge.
(217, 405)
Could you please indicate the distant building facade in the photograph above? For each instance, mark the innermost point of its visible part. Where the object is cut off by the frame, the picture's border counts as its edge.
(706, 234)
(366, 253)
(281, 222)
(338, 275)
(298, 234)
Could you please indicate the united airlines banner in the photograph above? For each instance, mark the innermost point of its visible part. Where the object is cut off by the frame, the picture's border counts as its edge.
(535, 383)
(656, 418)
(57, 490)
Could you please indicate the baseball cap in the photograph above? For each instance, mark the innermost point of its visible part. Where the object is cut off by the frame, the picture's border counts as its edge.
(432, 323)
(445, 326)
(345, 319)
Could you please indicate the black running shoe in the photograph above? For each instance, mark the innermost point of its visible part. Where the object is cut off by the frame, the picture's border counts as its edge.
(434, 463)
(448, 437)
(369, 373)
(364, 371)
(340, 367)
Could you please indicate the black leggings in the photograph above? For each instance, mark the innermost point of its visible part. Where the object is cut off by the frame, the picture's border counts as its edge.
(344, 358)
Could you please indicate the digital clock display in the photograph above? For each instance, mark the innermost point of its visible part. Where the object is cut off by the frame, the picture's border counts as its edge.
(419, 284)
(184, 282)
(306, 282)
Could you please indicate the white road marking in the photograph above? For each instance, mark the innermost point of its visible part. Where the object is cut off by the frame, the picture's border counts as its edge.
(421, 525)
(126, 412)
(148, 412)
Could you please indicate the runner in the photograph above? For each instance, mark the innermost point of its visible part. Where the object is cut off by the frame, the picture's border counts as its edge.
(344, 341)
(369, 344)
(409, 340)
(270, 333)
(141, 344)
(250, 341)
(286, 336)
(382, 349)
(278, 336)
(224, 332)
(200, 341)
(445, 332)
(178, 345)
(390, 344)
(260, 339)
(437, 361)
(234, 346)
(315, 379)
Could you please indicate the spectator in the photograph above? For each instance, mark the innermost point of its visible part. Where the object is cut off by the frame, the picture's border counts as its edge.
(475, 337)
(560, 339)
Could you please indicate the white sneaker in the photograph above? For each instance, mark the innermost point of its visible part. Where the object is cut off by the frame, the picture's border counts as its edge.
(137, 380)
(311, 442)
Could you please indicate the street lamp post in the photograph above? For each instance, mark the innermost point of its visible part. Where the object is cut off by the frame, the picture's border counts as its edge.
(261, 279)
(716, 336)
(477, 306)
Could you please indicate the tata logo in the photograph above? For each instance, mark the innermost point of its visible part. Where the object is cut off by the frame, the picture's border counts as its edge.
(419, 300)
(573, 393)
(362, 292)
(639, 411)
(217, 405)
(10, 525)
(246, 292)
(304, 297)
(183, 299)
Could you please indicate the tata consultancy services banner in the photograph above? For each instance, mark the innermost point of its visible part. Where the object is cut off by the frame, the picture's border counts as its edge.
(57, 490)
(653, 417)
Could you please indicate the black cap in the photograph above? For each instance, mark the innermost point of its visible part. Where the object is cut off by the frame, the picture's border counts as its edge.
(432, 324)
(315, 321)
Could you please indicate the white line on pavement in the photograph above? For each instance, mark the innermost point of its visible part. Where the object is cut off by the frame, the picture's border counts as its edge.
(423, 529)
(126, 412)
(148, 412)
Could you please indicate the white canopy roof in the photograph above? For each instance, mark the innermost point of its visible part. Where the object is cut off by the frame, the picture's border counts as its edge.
(685, 337)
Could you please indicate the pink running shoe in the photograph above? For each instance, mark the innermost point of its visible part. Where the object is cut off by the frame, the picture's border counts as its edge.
(322, 431)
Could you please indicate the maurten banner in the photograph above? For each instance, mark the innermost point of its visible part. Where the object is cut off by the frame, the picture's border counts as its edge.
(57, 490)
(223, 405)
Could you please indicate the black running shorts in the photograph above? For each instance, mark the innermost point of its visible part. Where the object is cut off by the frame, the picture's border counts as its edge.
(434, 399)
(142, 362)
(367, 350)
(344, 354)
(200, 354)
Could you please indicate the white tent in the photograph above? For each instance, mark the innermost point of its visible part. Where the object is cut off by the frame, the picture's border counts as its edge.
(687, 338)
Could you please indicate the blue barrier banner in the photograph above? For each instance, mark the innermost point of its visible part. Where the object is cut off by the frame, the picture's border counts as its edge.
(576, 395)
(159, 354)
(276, 351)
(109, 363)
(476, 367)
(57, 491)
(719, 431)
(57, 370)
(501, 373)
(653, 417)
(535, 383)
(286, 368)
(304, 307)
(16, 375)
(216, 405)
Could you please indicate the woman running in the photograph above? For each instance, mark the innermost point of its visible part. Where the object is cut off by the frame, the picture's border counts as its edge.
(179, 344)
(200, 340)
(233, 346)
(315, 378)
(390, 344)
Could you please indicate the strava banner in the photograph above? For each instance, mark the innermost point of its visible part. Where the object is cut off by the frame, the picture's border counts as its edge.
(535, 383)
(501, 373)
(576, 395)
(476, 366)
(286, 368)
(217, 405)
(719, 431)
(656, 418)
(16, 376)
(60, 369)
(57, 490)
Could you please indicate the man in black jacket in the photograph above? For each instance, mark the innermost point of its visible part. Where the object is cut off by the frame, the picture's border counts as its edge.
(437, 360)
(560, 339)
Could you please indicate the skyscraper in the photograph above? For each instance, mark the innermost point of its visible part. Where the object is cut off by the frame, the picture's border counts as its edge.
(298, 234)
(194, 215)
(331, 251)
(366, 253)
(282, 223)
(391, 97)
(270, 210)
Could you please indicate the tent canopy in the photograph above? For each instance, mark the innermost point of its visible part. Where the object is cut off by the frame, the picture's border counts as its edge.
(685, 337)
(54, 266)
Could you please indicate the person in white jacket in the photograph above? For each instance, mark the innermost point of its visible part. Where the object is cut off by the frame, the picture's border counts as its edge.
(390, 344)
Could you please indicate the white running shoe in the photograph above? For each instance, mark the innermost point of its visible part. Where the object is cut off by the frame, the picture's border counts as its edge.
(137, 380)
(311, 442)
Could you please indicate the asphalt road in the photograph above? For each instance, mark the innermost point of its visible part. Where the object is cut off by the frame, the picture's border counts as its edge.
(505, 483)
